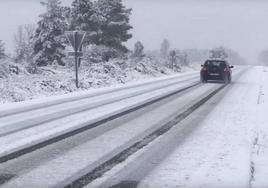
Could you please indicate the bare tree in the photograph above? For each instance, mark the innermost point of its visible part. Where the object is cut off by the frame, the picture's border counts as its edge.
(165, 48)
(173, 60)
(138, 50)
(23, 43)
(2, 50)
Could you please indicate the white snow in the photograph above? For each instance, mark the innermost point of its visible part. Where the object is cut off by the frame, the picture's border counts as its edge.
(218, 153)
(229, 137)
(9, 108)
(98, 150)
(227, 146)
(44, 128)
(260, 142)
(55, 80)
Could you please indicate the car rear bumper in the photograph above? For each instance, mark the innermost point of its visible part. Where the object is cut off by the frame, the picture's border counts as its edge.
(212, 76)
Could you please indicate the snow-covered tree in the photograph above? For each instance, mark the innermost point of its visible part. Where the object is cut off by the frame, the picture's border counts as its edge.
(218, 53)
(165, 48)
(99, 53)
(19, 44)
(174, 58)
(23, 43)
(83, 18)
(113, 23)
(2, 50)
(177, 59)
(138, 50)
(183, 58)
(49, 36)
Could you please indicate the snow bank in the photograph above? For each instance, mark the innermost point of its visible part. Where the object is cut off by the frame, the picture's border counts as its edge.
(17, 85)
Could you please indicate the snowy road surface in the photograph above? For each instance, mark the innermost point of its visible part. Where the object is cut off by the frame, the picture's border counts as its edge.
(227, 146)
(221, 144)
(21, 129)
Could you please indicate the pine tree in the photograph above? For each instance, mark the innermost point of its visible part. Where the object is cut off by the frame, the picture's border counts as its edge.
(138, 50)
(2, 50)
(49, 35)
(82, 18)
(113, 22)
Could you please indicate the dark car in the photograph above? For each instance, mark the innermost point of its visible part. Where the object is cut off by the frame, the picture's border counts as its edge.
(216, 70)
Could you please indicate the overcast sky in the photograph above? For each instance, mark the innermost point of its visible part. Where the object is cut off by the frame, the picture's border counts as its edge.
(239, 24)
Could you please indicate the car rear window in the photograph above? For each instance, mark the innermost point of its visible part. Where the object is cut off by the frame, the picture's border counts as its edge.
(215, 63)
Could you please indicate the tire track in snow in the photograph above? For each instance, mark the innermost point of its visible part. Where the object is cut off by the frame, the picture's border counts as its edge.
(108, 165)
(121, 157)
(50, 141)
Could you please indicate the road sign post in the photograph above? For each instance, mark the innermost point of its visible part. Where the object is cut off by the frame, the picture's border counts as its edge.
(76, 39)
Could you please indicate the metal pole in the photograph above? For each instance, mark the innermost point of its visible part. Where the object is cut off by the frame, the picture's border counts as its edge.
(76, 61)
(79, 59)
(76, 70)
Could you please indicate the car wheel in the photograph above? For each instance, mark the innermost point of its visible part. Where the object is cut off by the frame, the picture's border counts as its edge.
(226, 79)
(230, 79)
(203, 80)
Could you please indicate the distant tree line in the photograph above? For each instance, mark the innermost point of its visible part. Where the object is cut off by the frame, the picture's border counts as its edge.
(173, 59)
(221, 52)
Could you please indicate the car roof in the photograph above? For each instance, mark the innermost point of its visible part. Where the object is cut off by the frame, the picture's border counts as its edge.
(216, 59)
(219, 60)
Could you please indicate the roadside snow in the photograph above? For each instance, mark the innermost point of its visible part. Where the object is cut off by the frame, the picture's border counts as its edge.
(9, 108)
(222, 144)
(100, 149)
(50, 81)
(260, 144)
(41, 131)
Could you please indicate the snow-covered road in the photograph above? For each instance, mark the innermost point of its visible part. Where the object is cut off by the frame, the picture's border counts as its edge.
(40, 122)
(221, 144)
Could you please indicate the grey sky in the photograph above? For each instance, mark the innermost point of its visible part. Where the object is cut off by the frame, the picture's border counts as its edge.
(239, 24)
